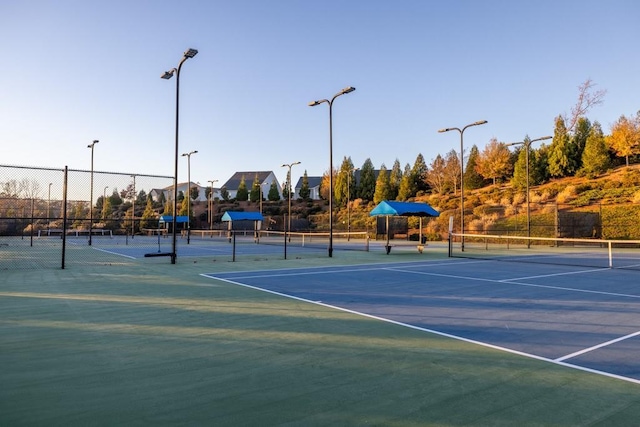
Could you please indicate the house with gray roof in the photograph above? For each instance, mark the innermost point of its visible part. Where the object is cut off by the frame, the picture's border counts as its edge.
(314, 187)
(265, 178)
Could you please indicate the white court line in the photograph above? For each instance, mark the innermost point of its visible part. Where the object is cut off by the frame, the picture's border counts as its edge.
(433, 331)
(595, 347)
(114, 253)
(511, 282)
(332, 269)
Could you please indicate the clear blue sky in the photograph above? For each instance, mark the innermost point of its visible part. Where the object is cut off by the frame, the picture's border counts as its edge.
(75, 71)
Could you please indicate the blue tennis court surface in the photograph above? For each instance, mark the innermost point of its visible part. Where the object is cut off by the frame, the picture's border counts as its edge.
(585, 318)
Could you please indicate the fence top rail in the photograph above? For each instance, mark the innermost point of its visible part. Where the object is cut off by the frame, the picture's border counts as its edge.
(547, 239)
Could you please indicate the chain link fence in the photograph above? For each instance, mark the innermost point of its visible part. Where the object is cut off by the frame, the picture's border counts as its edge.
(50, 217)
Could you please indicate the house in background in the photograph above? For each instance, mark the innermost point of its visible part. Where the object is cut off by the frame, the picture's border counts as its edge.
(184, 187)
(264, 178)
(314, 187)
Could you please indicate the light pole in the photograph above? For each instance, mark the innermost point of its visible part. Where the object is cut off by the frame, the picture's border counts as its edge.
(351, 171)
(91, 192)
(344, 91)
(211, 181)
(104, 198)
(188, 156)
(49, 208)
(133, 208)
(289, 165)
(527, 146)
(189, 53)
(481, 122)
(262, 195)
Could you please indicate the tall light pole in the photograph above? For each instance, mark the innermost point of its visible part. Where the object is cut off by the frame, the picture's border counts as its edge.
(527, 146)
(289, 165)
(211, 181)
(133, 208)
(261, 196)
(344, 91)
(49, 207)
(351, 171)
(188, 156)
(189, 53)
(91, 196)
(481, 122)
(104, 197)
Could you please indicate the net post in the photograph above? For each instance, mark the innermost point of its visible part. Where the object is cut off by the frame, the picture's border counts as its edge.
(610, 254)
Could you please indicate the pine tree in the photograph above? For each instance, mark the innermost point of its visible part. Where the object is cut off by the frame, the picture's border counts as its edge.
(254, 196)
(342, 182)
(367, 184)
(305, 191)
(274, 194)
(383, 188)
(224, 193)
(560, 152)
(579, 141)
(107, 210)
(419, 174)
(394, 180)
(148, 216)
(242, 195)
(595, 158)
(472, 179)
(406, 190)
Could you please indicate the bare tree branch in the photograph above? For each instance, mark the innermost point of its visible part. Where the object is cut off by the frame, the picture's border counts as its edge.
(586, 100)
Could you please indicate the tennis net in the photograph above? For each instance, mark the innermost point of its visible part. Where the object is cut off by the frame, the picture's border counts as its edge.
(354, 240)
(544, 250)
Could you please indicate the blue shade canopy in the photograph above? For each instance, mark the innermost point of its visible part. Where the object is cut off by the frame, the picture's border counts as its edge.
(239, 216)
(179, 219)
(404, 209)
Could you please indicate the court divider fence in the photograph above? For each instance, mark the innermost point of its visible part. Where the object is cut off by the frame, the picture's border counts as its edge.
(49, 216)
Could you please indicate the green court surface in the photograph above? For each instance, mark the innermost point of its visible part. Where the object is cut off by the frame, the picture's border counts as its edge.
(144, 342)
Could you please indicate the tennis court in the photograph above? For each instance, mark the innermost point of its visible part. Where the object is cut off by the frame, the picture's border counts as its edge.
(585, 318)
(363, 338)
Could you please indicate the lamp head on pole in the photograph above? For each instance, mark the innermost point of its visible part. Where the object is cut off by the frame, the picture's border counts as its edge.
(190, 53)
(168, 74)
(95, 141)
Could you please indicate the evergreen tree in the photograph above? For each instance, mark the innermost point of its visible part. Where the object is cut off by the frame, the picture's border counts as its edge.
(194, 192)
(274, 194)
(255, 194)
(406, 190)
(394, 180)
(595, 157)
(342, 182)
(561, 152)
(185, 207)
(148, 216)
(242, 195)
(579, 141)
(539, 172)
(224, 193)
(168, 208)
(472, 179)
(180, 196)
(367, 184)
(419, 174)
(305, 191)
(519, 179)
(107, 210)
(115, 198)
(383, 188)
